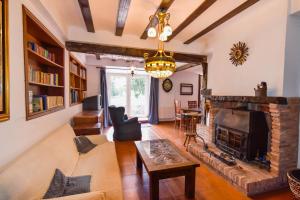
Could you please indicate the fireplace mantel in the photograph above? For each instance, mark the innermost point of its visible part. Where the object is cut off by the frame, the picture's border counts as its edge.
(249, 99)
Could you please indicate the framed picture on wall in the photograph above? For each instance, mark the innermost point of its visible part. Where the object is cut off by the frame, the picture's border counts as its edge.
(186, 89)
(4, 71)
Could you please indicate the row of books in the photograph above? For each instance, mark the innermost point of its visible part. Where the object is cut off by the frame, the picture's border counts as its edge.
(73, 82)
(39, 103)
(41, 77)
(74, 95)
(73, 68)
(41, 51)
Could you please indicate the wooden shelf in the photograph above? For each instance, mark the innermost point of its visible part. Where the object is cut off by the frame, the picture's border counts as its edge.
(76, 79)
(37, 67)
(34, 115)
(43, 59)
(74, 74)
(74, 88)
(46, 85)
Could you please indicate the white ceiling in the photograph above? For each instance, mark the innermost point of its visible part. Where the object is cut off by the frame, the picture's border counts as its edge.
(68, 16)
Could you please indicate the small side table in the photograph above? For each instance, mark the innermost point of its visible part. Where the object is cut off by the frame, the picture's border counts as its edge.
(88, 123)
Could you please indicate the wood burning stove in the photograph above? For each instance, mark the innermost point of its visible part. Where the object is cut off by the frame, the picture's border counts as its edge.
(242, 133)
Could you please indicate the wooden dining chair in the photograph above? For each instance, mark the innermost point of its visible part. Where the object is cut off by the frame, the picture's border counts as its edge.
(192, 104)
(178, 116)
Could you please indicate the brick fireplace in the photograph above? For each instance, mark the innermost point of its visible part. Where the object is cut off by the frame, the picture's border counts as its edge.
(282, 115)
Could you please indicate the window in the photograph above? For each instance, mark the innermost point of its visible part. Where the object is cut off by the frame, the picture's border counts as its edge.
(132, 92)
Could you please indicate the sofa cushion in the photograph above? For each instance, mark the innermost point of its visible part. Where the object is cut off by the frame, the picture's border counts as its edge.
(98, 195)
(28, 177)
(97, 139)
(101, 162)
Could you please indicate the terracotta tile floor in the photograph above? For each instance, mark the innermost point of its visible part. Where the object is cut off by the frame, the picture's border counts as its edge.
(209, 185)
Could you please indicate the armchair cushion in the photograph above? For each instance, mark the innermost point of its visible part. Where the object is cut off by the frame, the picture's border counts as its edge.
(132, 120)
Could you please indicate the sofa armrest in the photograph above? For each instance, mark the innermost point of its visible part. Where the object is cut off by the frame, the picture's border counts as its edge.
(97, 139)
(97, 195)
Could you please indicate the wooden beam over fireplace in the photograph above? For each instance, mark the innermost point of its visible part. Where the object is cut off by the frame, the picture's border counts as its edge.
(87, 15)
(122, 16)
(93, 48)
(222, 20)
(201, 9)
(163, 7)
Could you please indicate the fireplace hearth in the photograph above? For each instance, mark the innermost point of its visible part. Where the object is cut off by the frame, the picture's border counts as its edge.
(242, 134)
(258, 132)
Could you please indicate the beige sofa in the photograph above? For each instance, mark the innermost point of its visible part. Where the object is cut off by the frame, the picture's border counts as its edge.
(29, 176)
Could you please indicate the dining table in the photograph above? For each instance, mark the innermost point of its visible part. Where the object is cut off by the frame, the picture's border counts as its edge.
(190, 117)
(185, 110)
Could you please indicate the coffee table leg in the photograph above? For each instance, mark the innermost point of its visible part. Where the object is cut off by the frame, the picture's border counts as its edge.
(139, 163)
(190, 183)
(154, 187)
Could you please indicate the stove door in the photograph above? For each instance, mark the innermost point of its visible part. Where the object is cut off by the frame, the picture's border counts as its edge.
(232, 142)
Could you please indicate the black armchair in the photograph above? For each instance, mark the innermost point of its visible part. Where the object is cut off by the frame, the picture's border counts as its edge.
(124, 128)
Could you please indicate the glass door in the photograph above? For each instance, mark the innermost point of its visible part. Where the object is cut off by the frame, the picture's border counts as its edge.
(131, 92)
(117, 90)
(139, 96)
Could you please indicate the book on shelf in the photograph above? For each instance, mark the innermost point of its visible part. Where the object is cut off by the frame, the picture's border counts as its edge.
(73, 68)
(73, 82)
(41, 51)
(43, 78)
(74, 94)
(44, 102)
(30, 96)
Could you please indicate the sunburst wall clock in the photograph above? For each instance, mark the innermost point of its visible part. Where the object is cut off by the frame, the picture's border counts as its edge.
(239, 53)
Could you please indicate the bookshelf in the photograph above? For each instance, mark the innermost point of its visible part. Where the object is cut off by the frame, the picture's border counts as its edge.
(44, 68)
(78, 81)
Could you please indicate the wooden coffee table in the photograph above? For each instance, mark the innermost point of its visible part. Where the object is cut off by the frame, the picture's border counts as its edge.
(162, 159)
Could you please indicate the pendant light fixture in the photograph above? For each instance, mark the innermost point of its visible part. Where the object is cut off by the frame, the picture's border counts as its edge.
(160, 65)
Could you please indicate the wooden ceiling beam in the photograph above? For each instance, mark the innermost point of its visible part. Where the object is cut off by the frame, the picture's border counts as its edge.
(222, 20)
(122, 16)
(186, 66)
(87, 15)
(163, 7)
(199, 11)
(93, 48)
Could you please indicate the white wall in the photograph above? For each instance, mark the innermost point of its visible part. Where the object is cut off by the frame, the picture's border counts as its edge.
(291, 84)
(93, 81)
(295, 6)
(264, 32)
(17, 134)
(166, 100)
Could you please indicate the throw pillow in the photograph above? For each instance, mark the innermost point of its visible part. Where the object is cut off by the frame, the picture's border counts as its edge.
(57, 185)
(77, 185)
(64, 186)
(83, 144)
